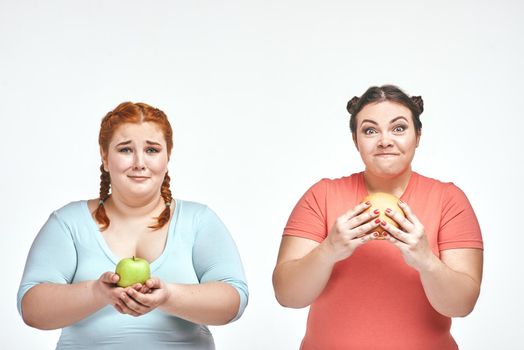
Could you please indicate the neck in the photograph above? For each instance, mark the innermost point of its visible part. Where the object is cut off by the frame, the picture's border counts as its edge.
(126, 207)
(395, 185)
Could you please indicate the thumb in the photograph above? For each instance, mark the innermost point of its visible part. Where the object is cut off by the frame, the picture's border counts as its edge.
(109, 277)
(153, 283)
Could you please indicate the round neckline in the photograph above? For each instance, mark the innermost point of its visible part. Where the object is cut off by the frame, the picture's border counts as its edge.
(412, 178)
(113, 257)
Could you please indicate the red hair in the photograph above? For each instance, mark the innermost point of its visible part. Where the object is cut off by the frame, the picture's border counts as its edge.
(135, 113)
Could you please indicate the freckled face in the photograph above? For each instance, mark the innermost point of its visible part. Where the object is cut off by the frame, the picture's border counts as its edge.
(137, 160)
(386, 138)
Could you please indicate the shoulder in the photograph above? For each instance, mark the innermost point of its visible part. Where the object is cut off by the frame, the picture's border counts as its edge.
(333, 184)
(446, 190)
(190, 208)
(71, 211)
(194, 211)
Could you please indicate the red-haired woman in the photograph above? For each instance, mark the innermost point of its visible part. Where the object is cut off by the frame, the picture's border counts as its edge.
(198, 275)
(394, 293)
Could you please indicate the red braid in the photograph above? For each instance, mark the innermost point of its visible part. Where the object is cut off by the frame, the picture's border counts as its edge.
(165, 191)
(100, 212)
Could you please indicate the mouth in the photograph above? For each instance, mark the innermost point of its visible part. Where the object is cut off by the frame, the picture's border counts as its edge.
(138, 178)
(387, 154)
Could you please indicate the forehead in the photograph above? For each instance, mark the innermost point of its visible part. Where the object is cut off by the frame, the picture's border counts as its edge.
(384, 111)
(138, 131)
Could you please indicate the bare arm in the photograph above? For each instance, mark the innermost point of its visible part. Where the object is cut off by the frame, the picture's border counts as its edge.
(304, 266)
(302, 271)
(52, 306)
(452, 284)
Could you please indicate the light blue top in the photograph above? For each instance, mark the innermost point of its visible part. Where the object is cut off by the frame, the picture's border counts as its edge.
(70, 248)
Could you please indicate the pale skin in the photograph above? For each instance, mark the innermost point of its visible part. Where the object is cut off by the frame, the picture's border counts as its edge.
(137, 161)
(386, 140)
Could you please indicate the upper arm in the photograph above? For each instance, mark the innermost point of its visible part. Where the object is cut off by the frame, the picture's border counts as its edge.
(293, 248)
(52, 258)
(216, 258)
(465, 260)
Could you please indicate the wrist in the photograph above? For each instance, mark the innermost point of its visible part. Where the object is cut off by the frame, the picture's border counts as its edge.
(326, 253)
(96, 292)
(169, 302)
(432, 264)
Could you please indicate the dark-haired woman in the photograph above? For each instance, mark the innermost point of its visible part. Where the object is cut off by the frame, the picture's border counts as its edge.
(395, 293)
(198, 276)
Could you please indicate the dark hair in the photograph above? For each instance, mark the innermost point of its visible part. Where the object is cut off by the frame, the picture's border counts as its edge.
(386, 93)
(134, 113)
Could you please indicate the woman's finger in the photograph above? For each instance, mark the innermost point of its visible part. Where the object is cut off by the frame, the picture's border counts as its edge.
(362, 218)
(395, 232)
(364, 229)
(132, 303)
(409, 213)
(400, 219)
(124, 309)
(351, 213)
(109, 277)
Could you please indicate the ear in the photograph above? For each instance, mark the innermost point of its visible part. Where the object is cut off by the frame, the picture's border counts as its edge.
(419, 134)
(354, 136)
(103, 156)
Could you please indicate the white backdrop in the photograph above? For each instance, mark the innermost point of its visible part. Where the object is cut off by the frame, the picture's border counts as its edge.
(256, 92)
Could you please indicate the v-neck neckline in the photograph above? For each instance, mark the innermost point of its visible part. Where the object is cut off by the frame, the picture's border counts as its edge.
(115, 258)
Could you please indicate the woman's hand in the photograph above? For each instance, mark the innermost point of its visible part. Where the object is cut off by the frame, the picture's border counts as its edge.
(411, 238)
(105, 289)
(138, 299)
(351, 230)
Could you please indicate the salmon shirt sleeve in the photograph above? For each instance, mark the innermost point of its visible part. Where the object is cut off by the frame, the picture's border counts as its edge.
(459, 227)
(308, 218)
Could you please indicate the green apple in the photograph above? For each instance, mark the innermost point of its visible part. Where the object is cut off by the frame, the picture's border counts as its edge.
(132, 270)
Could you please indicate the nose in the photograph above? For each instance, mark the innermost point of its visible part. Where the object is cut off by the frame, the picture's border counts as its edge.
(138, 161)
(385, 141)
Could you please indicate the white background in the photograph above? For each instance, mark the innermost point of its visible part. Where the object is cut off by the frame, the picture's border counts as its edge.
(256, 93)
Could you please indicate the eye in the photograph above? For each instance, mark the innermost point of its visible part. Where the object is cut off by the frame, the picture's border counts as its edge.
(369, 131)
(400, 128)
(125, 150)
(152, 150)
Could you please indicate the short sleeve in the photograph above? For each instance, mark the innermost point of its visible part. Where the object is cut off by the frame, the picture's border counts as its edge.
(216, 258)
(459, 227)
(308, 218)
(52, 258)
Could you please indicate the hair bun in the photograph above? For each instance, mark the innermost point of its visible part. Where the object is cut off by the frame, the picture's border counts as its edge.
(419, 102)
(352, 104)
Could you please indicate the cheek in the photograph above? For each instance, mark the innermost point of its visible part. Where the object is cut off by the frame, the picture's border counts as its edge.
(158, 164)
(119, 162)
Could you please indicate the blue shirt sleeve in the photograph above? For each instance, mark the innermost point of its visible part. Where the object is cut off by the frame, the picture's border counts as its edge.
(52, 258)
(216, 258)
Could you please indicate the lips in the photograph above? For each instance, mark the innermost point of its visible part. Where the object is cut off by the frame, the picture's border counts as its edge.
(386, 154)
(138, 178)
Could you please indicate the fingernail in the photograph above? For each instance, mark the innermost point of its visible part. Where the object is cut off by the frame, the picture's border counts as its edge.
(375, 234)
(385, 234)
(377, 221)
(383, 223)
(388, 210)
(376, 211)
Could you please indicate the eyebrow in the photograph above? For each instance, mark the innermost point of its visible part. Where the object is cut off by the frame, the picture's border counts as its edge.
(391, 122)
(124, 143)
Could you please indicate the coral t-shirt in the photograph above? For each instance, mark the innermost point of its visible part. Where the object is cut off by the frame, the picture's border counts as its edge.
(373, 299)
